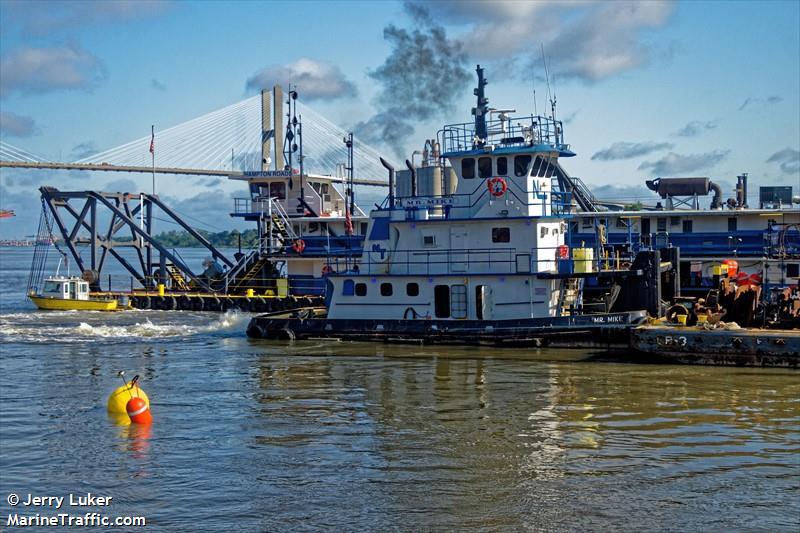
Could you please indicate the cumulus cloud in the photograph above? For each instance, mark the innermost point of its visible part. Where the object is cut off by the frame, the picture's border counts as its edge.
(39, 70)
(209, 210)
(48, 17)
(122, 185)
(752, 101)
(787, 159)
(673, 163)
(696, 127)
(587, 41)
(84, 150)
(13, 125)
(419, 79)
(315, 80)
(629, 150)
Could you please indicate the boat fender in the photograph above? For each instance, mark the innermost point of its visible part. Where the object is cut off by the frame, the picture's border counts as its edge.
(497, 186)
(198, 303)
(255, 332)
(286, 334)
(299, 245)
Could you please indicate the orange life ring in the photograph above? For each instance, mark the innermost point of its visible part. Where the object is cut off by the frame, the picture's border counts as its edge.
(497, 186)
(298, 246)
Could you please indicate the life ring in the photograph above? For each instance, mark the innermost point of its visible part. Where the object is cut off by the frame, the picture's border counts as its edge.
(299, 245)
(497, 186)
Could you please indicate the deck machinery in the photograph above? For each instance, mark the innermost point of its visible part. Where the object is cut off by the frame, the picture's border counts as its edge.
(303, 220)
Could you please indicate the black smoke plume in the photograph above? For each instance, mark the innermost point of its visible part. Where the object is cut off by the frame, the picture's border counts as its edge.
(419, 80)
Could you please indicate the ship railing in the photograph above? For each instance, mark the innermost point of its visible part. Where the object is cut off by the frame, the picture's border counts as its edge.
(530, 130)
(560, 203)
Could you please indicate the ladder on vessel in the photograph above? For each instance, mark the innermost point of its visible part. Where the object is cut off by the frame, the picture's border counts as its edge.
(281, 233)
(570, 299)
(176, 276)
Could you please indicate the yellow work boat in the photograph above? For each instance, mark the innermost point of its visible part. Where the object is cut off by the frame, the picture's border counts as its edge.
(70, 294)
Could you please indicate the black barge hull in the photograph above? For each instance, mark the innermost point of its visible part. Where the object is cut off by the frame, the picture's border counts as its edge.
(587, 331)
(739, 347)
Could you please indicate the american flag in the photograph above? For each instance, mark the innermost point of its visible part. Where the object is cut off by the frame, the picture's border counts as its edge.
(153, 140)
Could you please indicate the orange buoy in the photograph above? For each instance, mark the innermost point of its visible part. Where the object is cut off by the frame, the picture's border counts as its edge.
(138, 411)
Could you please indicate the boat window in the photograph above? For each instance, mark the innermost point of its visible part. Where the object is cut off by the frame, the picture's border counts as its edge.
(386, 289)
(84, 287)
(521, 164)
(661, 224)
(468, 168)
(277, 190)
(732, 224)
(687, 226)
(479, 289)
(458, 301)
(501, 235)
(622, 222)
(361, 289)
(485, 167)
(502, 166)
(412, 289)
(645, 225)
(52, 286)
(441, 296)
(793, 270)
(587, 223)
(347, 287)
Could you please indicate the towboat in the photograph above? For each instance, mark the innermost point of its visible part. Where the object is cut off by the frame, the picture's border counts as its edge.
(472, 248)
(60, 293)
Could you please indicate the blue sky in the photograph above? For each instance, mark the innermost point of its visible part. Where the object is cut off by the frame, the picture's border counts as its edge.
(648, 89)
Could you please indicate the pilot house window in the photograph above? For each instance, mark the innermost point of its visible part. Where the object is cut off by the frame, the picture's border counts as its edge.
(521, 164)
(502, 166)
(468, 168)
(485, 167)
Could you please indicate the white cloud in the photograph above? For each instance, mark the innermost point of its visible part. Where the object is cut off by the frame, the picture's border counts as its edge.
(13, 125)
(39, 70)
(629, 150)
(585, 40)
(788, 159)
(314, 79)
(673, 163)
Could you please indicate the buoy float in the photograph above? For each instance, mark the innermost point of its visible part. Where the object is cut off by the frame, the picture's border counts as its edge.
(129, 404)
(119, 398)
(138, 411)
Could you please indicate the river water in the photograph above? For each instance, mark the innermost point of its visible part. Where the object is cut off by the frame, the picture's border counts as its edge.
(266, 436)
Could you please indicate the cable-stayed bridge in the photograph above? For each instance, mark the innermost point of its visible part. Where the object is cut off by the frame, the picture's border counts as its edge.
(227, 142)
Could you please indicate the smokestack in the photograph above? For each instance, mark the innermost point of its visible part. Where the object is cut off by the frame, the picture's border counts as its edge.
(277, 103)
(266, 125)
(390, 168)
(741, 190)
(413, 178)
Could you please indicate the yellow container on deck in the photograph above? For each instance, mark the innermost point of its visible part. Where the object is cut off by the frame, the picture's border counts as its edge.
(283, 287)
(583, 259)
(161, 289)
(681, 319)
(250, 293)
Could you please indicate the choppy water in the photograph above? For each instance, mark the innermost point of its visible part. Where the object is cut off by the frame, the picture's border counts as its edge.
(259, 436)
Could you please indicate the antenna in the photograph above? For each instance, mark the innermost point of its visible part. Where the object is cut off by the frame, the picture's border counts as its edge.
(533, 84)
(553, 99)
